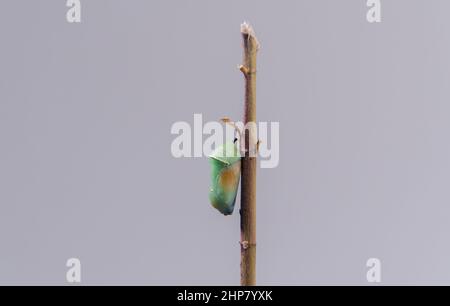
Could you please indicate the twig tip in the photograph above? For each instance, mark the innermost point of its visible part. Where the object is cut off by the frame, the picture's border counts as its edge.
(247, 29)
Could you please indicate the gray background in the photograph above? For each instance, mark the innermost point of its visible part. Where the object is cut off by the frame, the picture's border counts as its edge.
(85, 163)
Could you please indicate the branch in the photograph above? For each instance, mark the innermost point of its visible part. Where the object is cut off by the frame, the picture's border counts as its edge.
(248, 164)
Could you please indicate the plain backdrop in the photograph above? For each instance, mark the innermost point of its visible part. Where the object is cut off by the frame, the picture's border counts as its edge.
(86, 169)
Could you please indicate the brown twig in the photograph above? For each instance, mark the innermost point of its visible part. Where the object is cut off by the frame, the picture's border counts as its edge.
(248, 164)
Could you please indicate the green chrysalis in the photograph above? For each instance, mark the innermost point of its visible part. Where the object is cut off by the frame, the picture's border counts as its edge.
(225, 164)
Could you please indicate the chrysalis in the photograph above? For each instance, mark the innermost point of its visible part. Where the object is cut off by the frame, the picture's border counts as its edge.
(225, 164)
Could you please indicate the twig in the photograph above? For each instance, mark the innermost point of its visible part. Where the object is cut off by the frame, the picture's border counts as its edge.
(248, 164)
